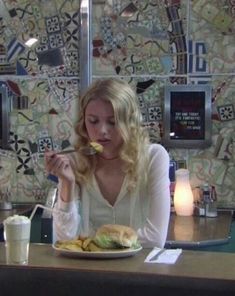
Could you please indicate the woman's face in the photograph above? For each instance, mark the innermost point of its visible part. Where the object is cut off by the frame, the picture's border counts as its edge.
(101, 127)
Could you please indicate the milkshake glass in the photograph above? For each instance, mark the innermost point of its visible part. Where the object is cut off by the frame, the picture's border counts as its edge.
(17, 238)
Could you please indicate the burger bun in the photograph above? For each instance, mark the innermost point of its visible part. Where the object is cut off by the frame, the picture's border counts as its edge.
(115, 236)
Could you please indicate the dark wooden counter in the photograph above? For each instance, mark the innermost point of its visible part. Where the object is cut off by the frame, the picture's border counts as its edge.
(194, 273)
(195, 231)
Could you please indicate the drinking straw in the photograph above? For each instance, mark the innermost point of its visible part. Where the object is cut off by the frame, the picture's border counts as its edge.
(39, 206)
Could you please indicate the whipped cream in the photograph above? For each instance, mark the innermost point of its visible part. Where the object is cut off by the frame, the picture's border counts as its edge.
(16, 219)
(17, 237)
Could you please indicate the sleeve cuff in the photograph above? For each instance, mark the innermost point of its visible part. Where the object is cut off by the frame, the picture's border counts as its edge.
(65, 206)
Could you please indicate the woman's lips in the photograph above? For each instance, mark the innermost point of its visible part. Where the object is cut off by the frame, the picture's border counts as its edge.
(104, 142)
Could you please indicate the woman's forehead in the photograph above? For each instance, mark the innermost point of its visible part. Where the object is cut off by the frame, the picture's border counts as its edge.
(99, 106)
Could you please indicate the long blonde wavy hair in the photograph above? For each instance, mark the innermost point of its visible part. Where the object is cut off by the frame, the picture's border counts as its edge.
(127, 120)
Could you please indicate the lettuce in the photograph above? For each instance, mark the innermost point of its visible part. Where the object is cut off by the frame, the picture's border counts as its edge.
(106, 242)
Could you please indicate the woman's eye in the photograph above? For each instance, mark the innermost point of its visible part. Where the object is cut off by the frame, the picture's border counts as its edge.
(93, 121)
(112, 122)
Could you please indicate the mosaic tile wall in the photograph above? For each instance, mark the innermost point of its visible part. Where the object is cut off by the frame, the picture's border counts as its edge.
(149, 43)
(43, 89)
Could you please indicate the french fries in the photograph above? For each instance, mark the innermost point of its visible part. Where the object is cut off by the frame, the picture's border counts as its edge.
(80, 244)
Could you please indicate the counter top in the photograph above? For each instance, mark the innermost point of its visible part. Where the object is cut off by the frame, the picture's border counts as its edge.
(194, 273)
(183, 232)
(196, 231)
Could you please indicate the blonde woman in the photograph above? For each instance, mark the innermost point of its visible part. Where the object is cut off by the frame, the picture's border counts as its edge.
(127, 183)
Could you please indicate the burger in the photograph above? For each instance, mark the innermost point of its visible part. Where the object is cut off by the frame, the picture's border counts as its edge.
(114, 236)
(109, 237)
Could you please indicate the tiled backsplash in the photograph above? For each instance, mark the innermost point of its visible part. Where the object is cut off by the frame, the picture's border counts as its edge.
(149, 43)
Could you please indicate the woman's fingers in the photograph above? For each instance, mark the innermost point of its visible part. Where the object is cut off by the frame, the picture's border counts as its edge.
(59, 166)
(56, 164)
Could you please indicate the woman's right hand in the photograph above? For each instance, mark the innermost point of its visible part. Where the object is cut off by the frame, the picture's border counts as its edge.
(59, 165)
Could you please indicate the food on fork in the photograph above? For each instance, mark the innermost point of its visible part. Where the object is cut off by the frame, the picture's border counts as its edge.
(92, 149)
(98, 147)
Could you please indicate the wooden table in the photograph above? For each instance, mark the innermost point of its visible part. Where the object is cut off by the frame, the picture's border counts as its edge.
(194, 273)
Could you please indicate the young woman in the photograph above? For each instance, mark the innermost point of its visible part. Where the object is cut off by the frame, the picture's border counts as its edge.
(128, 183)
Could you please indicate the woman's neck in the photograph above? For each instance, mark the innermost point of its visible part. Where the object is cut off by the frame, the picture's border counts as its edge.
(109, 158)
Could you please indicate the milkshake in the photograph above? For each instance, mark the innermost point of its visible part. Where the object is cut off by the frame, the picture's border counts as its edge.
(17, 237)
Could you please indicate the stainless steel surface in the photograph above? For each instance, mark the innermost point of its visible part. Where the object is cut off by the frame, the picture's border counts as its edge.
(50, 201)
(5, 205)
(22, 205)
(85, 45)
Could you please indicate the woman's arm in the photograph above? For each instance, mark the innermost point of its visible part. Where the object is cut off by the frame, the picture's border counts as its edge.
(66, 218)
(154, 232)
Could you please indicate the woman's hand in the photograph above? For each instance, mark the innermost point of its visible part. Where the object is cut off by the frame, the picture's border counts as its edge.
(59, 165)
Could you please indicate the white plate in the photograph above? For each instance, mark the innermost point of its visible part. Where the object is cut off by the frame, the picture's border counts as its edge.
(105, 254)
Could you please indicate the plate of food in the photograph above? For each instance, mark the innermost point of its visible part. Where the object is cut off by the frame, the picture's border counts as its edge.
(110, 241)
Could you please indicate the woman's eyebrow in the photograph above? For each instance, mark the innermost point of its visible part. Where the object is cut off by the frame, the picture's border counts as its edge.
(94, 115)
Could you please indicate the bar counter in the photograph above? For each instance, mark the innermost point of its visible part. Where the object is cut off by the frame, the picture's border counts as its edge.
(194, 273)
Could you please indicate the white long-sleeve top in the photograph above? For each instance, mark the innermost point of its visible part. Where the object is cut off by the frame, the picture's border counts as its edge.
(146, 209)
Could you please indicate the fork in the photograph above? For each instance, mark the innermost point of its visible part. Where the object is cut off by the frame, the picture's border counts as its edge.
(89, 150)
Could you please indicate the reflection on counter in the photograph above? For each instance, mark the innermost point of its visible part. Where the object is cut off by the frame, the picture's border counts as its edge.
(183, 228)
(184, 232)
(196, 231)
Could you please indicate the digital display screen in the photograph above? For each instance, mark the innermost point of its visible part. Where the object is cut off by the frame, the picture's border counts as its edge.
(187, 120)
(187, 116)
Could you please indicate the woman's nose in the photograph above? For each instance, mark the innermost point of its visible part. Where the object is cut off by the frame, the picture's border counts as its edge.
(104, 129)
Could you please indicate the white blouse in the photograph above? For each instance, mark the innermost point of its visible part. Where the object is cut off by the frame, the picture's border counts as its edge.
(146, 209)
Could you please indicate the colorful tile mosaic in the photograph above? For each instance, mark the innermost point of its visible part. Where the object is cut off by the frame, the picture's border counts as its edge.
(149, 43)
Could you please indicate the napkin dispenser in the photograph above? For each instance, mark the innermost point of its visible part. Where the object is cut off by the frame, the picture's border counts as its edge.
(50, 201)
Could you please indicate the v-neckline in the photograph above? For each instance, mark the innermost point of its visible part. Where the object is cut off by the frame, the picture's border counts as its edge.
(119, 196)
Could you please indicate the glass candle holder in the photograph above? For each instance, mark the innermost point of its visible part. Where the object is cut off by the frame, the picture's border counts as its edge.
(183, 195)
